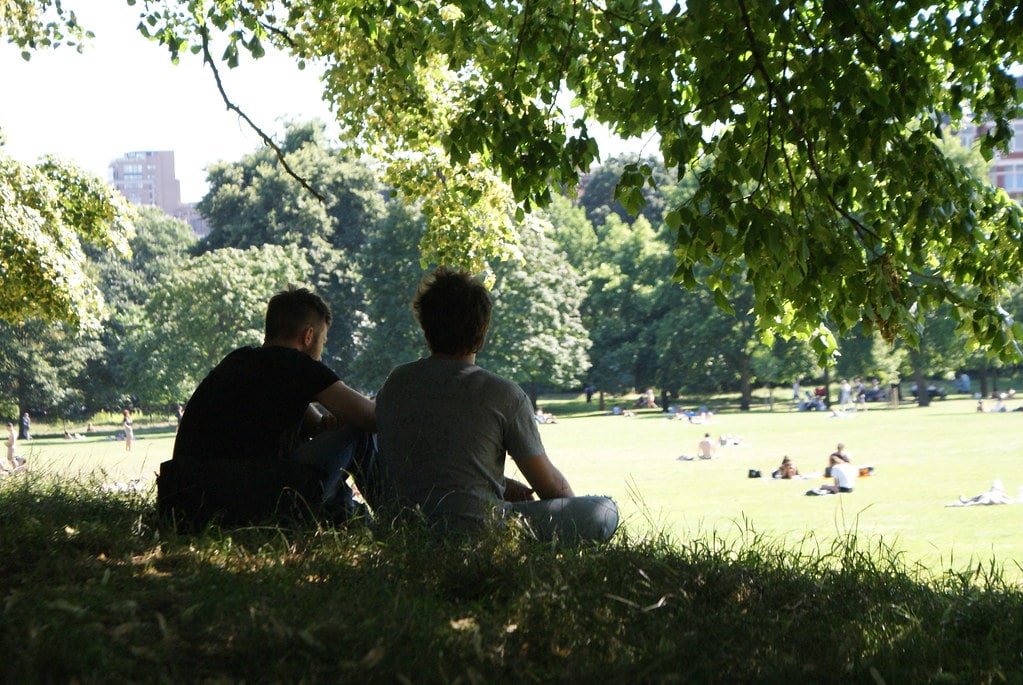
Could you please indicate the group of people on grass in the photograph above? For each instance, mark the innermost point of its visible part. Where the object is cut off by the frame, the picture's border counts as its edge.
(273, 420)
(840, 469)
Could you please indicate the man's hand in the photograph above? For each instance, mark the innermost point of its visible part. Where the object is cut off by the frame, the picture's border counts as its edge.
(514, 491)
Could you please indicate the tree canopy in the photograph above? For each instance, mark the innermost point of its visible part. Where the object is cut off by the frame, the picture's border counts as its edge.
(811, 127)
(48, 213)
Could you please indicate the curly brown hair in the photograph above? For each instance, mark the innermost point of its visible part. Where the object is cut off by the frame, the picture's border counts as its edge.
(453, 308)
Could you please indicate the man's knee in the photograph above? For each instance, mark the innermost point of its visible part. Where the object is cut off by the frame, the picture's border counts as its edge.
(588, 518)
(599, 517)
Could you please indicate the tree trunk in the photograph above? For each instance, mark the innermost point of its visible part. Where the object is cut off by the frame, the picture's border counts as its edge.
(601, 406)
(827, 387)
(983, 381)
(745, 380)
(923, 397)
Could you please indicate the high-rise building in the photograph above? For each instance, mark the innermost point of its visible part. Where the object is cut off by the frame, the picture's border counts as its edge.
(146, 179)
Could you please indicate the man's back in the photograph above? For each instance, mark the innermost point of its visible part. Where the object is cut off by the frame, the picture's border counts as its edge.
(844, 475)
(444, 427)
(251, 405)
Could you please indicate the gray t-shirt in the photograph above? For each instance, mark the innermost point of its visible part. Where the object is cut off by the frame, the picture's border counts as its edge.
(443, 429)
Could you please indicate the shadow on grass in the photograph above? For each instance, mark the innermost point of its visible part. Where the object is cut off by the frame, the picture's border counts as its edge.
(97, 589)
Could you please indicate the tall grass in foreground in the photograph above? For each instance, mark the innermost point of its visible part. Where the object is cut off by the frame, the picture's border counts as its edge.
(97, 589)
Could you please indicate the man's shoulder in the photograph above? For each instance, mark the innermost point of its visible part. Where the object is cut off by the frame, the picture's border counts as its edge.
(424, 368)
(497, 382)
(274, 356)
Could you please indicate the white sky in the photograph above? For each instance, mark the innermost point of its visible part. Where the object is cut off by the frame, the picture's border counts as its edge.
(124, 94)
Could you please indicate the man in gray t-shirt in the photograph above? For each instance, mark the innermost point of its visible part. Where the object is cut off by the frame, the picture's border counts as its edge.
(445, 425)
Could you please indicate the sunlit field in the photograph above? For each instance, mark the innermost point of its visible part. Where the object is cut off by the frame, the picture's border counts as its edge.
(923, 459)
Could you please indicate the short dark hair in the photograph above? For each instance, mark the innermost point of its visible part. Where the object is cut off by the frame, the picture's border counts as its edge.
(291, 310)
(453, 308)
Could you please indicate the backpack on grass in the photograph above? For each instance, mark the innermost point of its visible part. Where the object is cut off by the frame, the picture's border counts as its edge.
(235, 491)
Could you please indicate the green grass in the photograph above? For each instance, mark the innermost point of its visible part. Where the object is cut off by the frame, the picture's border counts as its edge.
(715, 578)
(98, 590)
(924, 458)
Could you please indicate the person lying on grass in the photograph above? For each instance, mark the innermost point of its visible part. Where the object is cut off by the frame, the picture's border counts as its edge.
(446, 424)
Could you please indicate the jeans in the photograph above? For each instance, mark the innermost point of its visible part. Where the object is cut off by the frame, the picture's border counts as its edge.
(339, 453)
(569, 519)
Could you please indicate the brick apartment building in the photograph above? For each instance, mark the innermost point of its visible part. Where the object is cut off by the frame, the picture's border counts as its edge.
(146, 179)
(1006, 167)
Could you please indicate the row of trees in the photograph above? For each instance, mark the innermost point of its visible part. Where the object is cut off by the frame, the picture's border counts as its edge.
(585, 299)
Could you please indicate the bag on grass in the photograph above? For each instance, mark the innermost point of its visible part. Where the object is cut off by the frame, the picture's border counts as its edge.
(234, 491)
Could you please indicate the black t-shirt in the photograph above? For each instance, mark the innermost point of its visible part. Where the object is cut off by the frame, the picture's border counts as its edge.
(251, 405)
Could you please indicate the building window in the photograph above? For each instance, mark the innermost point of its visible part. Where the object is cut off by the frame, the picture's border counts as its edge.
(1012, 177)
(966, 137)
(1016, 144)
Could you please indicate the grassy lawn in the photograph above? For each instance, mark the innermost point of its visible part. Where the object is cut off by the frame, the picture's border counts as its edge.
(923, 459)
(716, 578)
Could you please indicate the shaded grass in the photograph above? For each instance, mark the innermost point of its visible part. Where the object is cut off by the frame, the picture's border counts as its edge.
(97, 589)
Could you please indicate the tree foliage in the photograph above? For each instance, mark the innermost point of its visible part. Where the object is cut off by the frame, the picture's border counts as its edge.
(390, 270)
(36, 24)
(50, 210)
(42, 366)
(160, 247)
(626, 298)
(537, 337)
(209, 306)
(811, 126)
(48, 213)
(255, 201)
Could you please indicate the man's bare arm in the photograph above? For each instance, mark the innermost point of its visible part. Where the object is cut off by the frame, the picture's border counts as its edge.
(544, 477)
(350, 407)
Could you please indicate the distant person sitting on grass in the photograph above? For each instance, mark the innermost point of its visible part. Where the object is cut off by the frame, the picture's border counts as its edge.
(839, 456)
(844, 476)
(544, 417)
(706, 449)
(446, 426)
(787, 469)
(252, 433)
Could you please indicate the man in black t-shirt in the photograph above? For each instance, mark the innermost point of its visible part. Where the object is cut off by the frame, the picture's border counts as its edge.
(258, 414)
